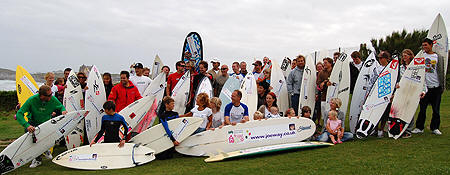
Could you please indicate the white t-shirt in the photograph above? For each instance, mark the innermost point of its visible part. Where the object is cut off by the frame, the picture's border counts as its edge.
(204, 114)
(54, 89)
(358, 65)
(217, 119)
(141, 82)
(268, 115)
(236, 113)
(431, 76)
(237, 76)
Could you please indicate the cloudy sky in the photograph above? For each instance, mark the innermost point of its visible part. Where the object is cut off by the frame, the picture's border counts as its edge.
(51, 35)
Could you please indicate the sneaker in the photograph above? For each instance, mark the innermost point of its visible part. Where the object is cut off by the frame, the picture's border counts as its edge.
(406, 135)
(35, 163)
(417, 131)
(48, 154)
(437, 132)
(380, 134)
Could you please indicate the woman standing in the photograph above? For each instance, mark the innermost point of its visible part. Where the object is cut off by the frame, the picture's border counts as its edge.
(49, 81)
(107, 81)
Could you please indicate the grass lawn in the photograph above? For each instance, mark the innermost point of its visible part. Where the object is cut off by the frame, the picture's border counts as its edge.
(421, 154)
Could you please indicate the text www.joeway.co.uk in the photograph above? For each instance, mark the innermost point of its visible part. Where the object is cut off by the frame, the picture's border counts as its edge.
(268, 136)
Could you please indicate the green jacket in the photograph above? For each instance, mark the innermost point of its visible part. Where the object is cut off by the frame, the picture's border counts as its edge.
(40, 111)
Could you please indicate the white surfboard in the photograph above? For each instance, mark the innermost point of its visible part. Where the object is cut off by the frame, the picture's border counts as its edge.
(73, 101)
(157, 87)
(230, 85)
(157, 65)
(340, 83)
(24, 149)
(266, 150)
(407, 97)
(105, 156)
(180, 93)
(251, 134)
(156, 137)
(249, 94)
(136, 111)
(308, 89)
(438, 33)
(95, 98)
(378, 99)
(278, 82)
(204, 87)
(366, 78)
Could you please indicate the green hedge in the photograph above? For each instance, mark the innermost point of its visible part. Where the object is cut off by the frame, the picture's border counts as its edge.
(8, 100)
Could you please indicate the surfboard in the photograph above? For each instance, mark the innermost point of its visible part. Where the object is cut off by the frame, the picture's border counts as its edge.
(25, 86)
(249, 94)
(180, 93)
(73, 101)
(308, 88)
(156, 137)
(286, 66)
(407, 97)
(230, 85)
(156, 87)
(266, 150)
(25, 148)
(136, 111)
(95, 98)
(278, 82)
(378, 99)
(148, 119)
(340, 83)
(192, 49)
(366, 78)
(105, 156)
(204, 87)
(157, 65)
(246, 135)
(438, 33)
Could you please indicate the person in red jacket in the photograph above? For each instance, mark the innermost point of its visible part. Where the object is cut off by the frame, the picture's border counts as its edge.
(124, 93)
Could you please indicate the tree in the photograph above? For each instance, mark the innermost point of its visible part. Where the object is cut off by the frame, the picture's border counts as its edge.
(397, 41)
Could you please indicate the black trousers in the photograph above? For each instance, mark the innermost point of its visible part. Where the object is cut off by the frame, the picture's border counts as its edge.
(433, 97)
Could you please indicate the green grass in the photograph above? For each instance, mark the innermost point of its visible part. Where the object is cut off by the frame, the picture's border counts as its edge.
(421, 154)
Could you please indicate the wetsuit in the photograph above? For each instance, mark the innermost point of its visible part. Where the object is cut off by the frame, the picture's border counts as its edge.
(166, 116)
(111, 127)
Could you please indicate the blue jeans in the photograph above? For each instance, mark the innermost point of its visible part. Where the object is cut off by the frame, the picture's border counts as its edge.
(294, 103)
(325, 137)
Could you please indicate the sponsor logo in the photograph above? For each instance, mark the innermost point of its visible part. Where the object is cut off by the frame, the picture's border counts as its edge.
(394, 64)
(65, 153)
(73, 80)
(436, 37)
(419, 61)
(303, 128)
(342, 56)
(343, 90)
(132, 115)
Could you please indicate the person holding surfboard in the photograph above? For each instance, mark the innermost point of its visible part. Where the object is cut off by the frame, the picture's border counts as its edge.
(66, 74)
(384, 57)
(173, 78)
(165, 114)
(111, 123)
(202, 67)
(407, 57)
(166, 70)
(294, 82)
(236, 112)
(140, 81)
(322, 84)
(124, 93)
(355, 66)
(435, 85)
(236, 73)
(201, 110)
(41, 107)
(107, 81)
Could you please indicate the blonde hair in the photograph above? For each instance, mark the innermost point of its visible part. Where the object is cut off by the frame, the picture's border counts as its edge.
(258, 115)
(203, 99)
(336, 101)
(48, 74)
(216, 102)
(288, 111)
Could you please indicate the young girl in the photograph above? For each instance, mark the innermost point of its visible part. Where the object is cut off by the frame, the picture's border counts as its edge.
(217, 116)
(306, 112)
(201, 110)
(335, 104)
(334, 127)
(258, 116)
(290, 113)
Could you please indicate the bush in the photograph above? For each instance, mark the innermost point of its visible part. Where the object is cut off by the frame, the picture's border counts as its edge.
(8, 100)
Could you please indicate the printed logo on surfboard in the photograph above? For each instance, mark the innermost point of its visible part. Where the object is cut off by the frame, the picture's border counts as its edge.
(419, 61)
(273, 132)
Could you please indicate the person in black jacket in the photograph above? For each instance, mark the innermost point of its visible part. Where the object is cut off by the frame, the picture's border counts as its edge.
(355, 67)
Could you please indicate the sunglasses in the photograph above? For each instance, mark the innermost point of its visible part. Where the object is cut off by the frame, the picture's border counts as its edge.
(81, 77)
(182, 65)
(223, 68)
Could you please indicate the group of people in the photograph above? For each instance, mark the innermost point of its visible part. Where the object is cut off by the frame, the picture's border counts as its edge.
(331, 124)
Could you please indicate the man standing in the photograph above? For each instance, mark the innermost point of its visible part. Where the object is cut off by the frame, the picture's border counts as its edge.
(355, 67)
(257, 69)
(124, 93)
(335, 56)
(214, 72)
(243, 66)
(66, 74)
(172, 80)
(435, 85)
(294, 82)
(236, 112)
(236, 73)
(141, 82)
(220, 80)
(41, 107)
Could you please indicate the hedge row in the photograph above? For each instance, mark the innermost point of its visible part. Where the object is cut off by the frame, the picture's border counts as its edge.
(8, 100)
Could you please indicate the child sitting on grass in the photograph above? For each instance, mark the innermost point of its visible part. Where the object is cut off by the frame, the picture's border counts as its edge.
(334, 127)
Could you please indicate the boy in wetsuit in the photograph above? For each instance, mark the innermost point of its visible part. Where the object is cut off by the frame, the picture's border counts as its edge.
(111, 125)
(165, 114)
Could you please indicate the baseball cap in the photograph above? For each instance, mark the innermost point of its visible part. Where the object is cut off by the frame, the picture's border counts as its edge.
(139, 65)
(259, 63)
(215, 60)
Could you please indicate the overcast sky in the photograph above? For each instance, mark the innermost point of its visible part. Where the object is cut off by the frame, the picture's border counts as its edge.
(51, 35)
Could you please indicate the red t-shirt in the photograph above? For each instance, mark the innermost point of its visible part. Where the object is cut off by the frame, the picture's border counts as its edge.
(172, 80)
